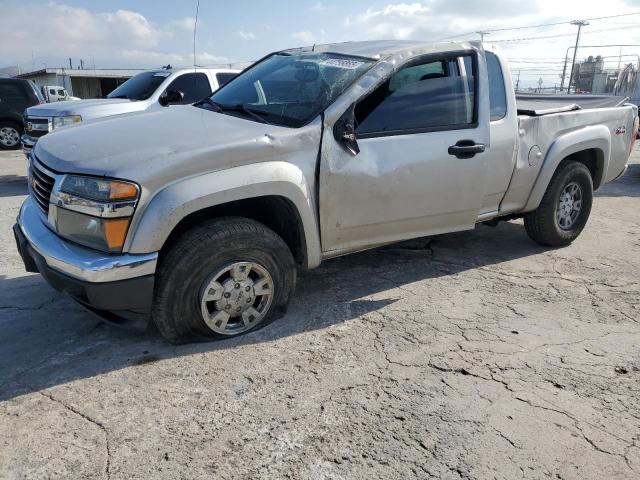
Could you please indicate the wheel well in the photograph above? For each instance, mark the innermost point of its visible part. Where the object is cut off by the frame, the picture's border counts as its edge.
(593, 159)
(11, 120)
(277, 213)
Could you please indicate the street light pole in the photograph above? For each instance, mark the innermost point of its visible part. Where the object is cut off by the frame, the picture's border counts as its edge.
(580, 24)
(482, 33)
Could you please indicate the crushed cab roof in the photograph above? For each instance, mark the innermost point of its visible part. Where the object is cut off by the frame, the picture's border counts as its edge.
(378, 49)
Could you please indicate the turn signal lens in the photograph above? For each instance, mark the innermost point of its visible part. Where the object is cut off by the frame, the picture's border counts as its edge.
(122, 191)
(115, 231)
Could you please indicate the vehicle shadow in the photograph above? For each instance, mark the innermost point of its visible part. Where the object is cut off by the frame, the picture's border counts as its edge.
(13, 186)
(48, 340)
(626, 186)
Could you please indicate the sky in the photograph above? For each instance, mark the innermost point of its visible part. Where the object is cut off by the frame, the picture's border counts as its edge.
(148, 33)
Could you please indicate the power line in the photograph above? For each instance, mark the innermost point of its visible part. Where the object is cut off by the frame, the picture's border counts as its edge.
(542, 37)
(524, 27)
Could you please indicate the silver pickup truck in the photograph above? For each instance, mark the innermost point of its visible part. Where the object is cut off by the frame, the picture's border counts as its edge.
(197, 216)
(144, 92)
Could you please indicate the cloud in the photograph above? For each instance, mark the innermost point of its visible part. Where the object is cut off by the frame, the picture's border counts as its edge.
(398, 21)
(185, 24)
(246, 35)
(304, 36)
(319, 7)
(113, 38)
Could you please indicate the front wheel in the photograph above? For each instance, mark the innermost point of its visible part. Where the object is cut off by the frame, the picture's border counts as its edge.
(9, 135)
(222, 279)
(565, 206)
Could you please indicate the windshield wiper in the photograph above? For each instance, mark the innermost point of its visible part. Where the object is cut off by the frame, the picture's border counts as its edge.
(120, 96)
(208, 100)
(241, 107)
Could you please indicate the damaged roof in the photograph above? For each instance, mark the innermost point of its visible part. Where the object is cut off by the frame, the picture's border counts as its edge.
(378, 49)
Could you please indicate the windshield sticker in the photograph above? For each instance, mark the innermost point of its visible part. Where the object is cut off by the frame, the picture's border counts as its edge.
(341, 63)
(162, 74)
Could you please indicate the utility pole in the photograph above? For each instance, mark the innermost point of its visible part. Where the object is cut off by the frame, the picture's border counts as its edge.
(518, 81)
(482, 33)
(564, 69)
(539, 84)
(580, 24)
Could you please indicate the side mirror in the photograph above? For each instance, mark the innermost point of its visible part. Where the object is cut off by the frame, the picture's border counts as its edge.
(171, 97)
(344, 131)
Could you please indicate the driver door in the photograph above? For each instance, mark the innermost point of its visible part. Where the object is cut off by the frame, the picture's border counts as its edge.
(423, 140)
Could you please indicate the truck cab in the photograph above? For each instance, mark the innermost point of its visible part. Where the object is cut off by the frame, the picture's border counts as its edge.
(146, 91)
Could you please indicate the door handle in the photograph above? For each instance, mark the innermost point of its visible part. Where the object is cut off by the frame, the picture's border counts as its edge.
(466, 149)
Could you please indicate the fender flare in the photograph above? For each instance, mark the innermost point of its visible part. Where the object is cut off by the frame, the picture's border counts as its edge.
(176, 201)
(596, 137)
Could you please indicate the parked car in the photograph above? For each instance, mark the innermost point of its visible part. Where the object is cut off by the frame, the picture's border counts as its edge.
(198, 215)
(15, 95)
(55, 93)
(146, 91)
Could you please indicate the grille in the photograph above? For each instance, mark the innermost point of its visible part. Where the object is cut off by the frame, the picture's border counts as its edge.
(40, 185)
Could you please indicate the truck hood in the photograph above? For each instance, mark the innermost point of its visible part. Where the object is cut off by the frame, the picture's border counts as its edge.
(87, 109)
(156, 148)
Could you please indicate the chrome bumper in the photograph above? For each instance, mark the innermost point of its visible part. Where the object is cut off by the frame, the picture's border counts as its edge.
(76, 261)
(28, 143)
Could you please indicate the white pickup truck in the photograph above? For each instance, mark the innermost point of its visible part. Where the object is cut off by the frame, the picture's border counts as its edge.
(197, 216)
(55, 93)
(146, 91)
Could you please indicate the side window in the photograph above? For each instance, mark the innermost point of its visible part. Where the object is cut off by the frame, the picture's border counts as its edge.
(497, 91)
(12, 91)
(224, 78)
(61, 92)
(52, 91)
(195, 86)
(418, 97)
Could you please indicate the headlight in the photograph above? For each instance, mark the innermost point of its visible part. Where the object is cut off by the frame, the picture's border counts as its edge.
(59, 122)
(99, 188)
(94, 212)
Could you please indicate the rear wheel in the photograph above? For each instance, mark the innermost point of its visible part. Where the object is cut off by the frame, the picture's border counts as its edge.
(10, 134)
(565, 206)
(222, 279)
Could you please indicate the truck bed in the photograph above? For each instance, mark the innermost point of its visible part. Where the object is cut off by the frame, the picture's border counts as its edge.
(538, 105)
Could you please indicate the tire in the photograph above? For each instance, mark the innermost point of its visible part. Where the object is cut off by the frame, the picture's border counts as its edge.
(548, 225)
(10, 134)
(210, 260)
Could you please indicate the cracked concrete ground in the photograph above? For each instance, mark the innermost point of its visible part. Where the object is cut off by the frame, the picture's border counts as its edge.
(474, 355)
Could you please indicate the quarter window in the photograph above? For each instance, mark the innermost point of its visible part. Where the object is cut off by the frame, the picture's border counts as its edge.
(497, 91)
(423, 96)
(195, 86)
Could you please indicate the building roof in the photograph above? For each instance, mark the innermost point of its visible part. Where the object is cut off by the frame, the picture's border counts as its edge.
(86, 72)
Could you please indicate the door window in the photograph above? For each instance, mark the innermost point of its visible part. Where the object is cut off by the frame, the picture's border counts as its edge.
(423, 96)
(195, 86)
(224, 78)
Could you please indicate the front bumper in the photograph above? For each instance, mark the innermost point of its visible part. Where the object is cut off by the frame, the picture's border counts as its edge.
(28, 143)
(97, 280)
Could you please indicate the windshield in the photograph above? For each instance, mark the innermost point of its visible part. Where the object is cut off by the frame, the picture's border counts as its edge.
(140, 87)
(289, 89)
(36, 91)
